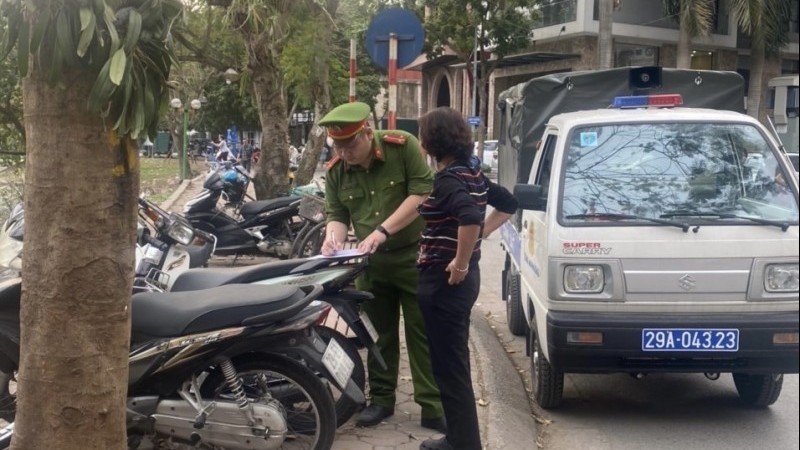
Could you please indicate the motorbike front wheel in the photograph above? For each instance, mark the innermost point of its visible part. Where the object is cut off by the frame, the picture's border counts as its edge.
(308, 406)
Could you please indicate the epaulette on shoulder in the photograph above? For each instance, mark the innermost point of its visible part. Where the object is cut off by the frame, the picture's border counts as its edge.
(398, 139)
(332, 162)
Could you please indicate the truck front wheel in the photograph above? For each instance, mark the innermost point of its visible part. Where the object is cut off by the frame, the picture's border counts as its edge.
(758, 390)
(548, 383)
(515, 315)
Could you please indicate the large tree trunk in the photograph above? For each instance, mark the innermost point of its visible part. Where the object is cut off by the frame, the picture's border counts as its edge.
(80, 225)
(757, 58)
(271, 172)
(605, 38)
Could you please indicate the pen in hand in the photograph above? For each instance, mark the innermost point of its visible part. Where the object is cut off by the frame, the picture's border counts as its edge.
(333, 241)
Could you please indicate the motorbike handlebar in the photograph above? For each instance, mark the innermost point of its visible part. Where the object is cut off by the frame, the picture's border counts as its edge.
(155, 242)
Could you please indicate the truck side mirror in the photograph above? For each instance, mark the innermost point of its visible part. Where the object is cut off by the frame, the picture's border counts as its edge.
(531, 196)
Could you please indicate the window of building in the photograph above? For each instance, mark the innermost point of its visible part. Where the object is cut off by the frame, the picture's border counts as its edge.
(702, 60)
(790, 66)
(650, 13)
(635, 55)
(554, 12)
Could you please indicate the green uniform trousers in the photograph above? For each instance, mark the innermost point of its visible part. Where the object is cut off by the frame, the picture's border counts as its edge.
(392, 278)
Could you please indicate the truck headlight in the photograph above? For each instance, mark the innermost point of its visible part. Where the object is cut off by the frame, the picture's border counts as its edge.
(781, 278)
(583, 279)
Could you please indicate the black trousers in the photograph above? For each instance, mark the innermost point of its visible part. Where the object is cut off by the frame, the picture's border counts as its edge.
(446, 310)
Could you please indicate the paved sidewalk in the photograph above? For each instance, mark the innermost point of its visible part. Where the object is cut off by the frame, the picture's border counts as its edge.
(504, 413)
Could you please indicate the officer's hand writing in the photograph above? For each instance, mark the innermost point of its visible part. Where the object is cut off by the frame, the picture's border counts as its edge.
(371, 243)
(331, 245)
(457, 274)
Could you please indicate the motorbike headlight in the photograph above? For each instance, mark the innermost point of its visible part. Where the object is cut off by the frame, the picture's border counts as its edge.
(781, 277)
(181, 232)
(583, 279)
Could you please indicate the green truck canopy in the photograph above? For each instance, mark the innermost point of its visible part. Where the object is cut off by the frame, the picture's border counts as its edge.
(525, 108)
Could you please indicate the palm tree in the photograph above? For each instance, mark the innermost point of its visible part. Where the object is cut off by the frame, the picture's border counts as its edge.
(605, 39)
(694, 18)
(94, 77)
(766, 21)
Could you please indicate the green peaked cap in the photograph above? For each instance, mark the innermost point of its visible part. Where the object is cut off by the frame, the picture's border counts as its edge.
(348, 113)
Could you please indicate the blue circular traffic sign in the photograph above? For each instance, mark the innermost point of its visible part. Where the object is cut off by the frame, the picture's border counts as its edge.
(408, 29)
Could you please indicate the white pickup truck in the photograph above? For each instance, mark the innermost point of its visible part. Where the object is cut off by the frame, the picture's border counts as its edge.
(655, 238)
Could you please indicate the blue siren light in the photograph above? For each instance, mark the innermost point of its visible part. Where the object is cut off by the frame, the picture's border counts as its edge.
(644, 101)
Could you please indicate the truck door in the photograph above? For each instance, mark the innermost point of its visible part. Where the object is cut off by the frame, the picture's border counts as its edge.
(534, 230)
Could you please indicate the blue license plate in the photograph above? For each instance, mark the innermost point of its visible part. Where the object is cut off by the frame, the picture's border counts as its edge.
(690, 340)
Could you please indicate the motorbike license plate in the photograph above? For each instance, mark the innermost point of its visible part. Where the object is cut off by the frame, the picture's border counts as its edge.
(373, 333)
(690, 340)
(338, 363)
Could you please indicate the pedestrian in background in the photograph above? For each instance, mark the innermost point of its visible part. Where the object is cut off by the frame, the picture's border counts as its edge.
(327, 149)
(294, 157)
(246, 155)
(223, 152)
(449, 282)
(374, 183)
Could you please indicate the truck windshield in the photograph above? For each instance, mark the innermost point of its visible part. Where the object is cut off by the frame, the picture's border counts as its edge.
(652, 170)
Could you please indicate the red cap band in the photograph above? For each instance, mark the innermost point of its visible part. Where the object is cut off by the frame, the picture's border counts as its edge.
(345, 131)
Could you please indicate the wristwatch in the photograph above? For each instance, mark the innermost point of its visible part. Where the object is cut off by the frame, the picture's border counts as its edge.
(382, 230)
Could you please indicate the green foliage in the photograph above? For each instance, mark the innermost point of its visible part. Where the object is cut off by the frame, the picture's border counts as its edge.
(226, 106)
(765, 21)
(693, 15)
(299, 59)
(504, 27)
(123, 44)
(12, 131)
(352, 22)
(11, 186)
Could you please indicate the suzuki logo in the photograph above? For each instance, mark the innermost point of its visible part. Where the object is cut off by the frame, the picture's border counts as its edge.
(686, 282)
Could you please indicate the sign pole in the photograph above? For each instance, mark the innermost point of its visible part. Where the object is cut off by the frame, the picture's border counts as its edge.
(352, 97)
(392, 81)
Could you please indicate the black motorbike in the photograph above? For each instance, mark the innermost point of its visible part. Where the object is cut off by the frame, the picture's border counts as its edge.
(165, 267)
(265, 227)
(203, 370)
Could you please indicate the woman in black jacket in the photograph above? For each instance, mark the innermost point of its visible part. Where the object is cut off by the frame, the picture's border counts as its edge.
(455, 220)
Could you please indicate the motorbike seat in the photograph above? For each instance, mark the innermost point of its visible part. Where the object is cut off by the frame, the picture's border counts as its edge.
(197, 279)
(253, 208)
(156, 314)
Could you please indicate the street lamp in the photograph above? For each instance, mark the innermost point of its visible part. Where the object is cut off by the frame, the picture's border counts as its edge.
(178, 105)
(231, 76)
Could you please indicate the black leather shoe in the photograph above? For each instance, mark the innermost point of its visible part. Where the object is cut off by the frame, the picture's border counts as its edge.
(437, 424)
(436, 444)
(373, 415)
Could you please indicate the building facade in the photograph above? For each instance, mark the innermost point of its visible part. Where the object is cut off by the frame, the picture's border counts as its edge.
(565, 39)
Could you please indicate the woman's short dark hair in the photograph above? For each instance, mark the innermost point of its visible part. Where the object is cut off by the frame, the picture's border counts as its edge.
(443, 132)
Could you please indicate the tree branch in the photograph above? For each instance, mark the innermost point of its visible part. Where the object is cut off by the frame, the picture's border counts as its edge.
(199, 54)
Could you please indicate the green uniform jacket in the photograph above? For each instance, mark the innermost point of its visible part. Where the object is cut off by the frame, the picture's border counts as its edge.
(366, 197)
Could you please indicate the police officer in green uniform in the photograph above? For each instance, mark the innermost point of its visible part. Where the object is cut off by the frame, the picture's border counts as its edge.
(374, 182)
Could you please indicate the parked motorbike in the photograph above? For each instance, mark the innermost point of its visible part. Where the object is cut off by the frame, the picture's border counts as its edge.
(202, 370)
(261, 226)
(165, 248)
(168, 247)
(335, 275)
(176, 246)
